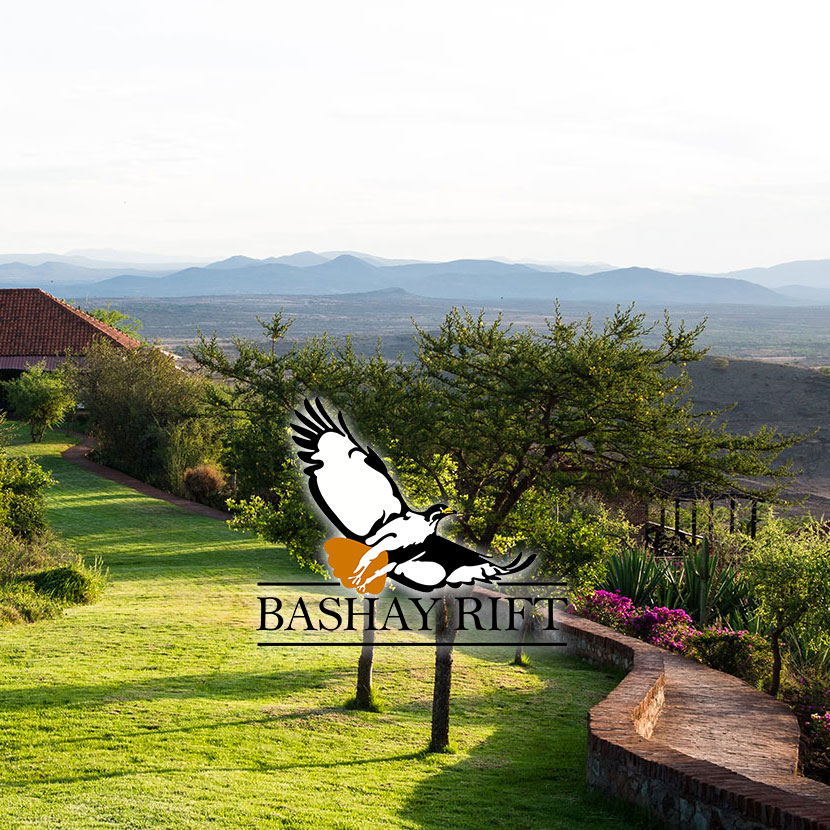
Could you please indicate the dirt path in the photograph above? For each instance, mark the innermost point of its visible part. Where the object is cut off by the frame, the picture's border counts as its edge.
(79, 455)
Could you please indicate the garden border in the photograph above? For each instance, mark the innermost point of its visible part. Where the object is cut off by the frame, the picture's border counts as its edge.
(78, 454)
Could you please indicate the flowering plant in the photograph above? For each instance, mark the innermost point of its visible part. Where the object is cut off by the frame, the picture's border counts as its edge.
(665, 627)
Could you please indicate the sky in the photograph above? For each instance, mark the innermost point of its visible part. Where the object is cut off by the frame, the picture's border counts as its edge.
(688, 136)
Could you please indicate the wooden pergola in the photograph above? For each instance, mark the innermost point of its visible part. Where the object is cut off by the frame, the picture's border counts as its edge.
(657, 532)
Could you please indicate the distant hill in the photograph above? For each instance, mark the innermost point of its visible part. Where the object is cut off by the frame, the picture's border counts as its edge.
(473, 280)
(765, 394)
(564, 266)
(302, 258)
(814, 273)
(107, 261)
(57, 274)
(807, 293)
(464, 280)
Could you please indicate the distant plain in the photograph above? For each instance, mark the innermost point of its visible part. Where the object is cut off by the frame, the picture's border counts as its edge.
(770, 376)
(788, 334)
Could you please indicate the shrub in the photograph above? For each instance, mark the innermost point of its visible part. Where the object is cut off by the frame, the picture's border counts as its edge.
(808, 654)
(810, 700)
(573, 542)
(790, 575)
(74, 584)
(604, 607)
(203, 483)
(20, 602)
(747, 656)
(22, 482)
(817, 756)
(708, 587)
(669, 628)
(18, 556)
(665, 627)
(635, 574)
(705, 585)
(148, 415)
(40, 398)
(720, 363)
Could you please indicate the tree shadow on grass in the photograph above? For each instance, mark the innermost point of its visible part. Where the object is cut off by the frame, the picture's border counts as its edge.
(243, 685)
(522, 776)
(99, 775)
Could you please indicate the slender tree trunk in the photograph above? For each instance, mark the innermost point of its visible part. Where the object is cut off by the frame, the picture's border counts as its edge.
(445, 629)
(775, 642)
(363, 695)
(526, 626)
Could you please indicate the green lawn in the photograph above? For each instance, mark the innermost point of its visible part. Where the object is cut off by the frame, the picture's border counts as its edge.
(154, 707)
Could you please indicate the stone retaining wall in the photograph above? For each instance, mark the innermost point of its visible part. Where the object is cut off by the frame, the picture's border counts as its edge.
(683, 791)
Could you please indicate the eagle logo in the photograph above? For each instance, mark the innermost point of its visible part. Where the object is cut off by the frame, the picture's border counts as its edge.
(382, 536)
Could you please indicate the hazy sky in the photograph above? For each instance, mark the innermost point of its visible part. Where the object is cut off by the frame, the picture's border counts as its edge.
(690, 136)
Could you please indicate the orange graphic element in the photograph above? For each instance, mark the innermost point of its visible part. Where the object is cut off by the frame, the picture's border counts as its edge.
(344, 556)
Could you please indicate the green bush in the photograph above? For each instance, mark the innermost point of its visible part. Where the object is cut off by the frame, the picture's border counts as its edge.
(148, 415)
(575, 539)
(710, 588)
(20, 602)
(40, 398)
(705, 585)
(74, 584)
(744, 655)
(19, 556)
(637, 575)
(22, 483)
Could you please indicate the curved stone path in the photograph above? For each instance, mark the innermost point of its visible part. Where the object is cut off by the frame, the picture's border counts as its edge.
(716, 717)
(710, 728)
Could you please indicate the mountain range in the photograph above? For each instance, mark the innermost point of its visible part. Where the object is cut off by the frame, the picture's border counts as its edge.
(335, 272)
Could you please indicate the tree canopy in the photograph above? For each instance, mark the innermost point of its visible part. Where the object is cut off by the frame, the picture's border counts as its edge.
(494, 419)
(40, 398)
(118, 320)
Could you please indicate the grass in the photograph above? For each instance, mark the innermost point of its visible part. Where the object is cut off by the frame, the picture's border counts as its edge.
(154, 708)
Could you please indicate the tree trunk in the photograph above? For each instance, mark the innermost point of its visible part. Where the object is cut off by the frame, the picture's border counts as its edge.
(445, 629)
(363, 695)
(526, 625)
(775, 642)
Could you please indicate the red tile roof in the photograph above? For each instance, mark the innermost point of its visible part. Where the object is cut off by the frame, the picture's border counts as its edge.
(33, 323)
(23, 362)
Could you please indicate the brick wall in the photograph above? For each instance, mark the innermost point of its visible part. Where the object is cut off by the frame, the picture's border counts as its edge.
(684, 792)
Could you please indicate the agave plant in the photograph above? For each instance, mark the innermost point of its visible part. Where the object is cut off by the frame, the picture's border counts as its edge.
(809, 654)
(637, 575)
(710, 589)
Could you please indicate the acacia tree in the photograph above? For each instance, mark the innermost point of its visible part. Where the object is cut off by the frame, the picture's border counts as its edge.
(40, 398)
(790, 576)
(494, 420)
(257, 392)
(118, 320)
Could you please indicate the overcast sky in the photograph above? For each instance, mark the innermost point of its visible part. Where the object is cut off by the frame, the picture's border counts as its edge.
(690, 136)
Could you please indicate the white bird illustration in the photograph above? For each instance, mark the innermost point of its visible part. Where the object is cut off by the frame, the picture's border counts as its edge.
(383, 535)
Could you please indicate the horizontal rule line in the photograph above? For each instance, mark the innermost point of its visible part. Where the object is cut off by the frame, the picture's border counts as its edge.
(537, 584)
(317, 584)
(427, 643)
(305, 584)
